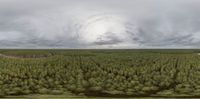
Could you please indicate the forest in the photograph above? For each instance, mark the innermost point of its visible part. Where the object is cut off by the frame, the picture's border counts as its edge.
(100, 73)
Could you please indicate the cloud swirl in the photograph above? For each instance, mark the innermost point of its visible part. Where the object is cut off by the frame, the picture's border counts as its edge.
(99, 24)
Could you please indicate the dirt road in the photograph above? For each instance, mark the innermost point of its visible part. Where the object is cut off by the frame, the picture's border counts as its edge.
(6, 56)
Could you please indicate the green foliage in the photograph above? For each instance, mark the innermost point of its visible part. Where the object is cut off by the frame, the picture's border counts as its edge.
(100, 72)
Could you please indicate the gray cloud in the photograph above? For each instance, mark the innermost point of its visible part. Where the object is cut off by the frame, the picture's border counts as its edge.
(99, 24)
(107, 39)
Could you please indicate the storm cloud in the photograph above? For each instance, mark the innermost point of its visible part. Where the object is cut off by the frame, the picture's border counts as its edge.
(99, 24)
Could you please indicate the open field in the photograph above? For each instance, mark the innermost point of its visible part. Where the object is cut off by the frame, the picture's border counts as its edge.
(58, 74)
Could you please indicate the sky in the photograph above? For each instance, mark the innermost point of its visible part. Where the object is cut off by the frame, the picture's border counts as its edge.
(100, 24)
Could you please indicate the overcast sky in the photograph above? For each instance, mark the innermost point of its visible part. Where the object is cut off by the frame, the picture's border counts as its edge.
(99, 24)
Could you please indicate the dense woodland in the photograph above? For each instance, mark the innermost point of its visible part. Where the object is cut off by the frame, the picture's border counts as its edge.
(102, 73)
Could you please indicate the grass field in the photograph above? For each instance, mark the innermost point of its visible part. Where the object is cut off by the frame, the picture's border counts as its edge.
(125, 73)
